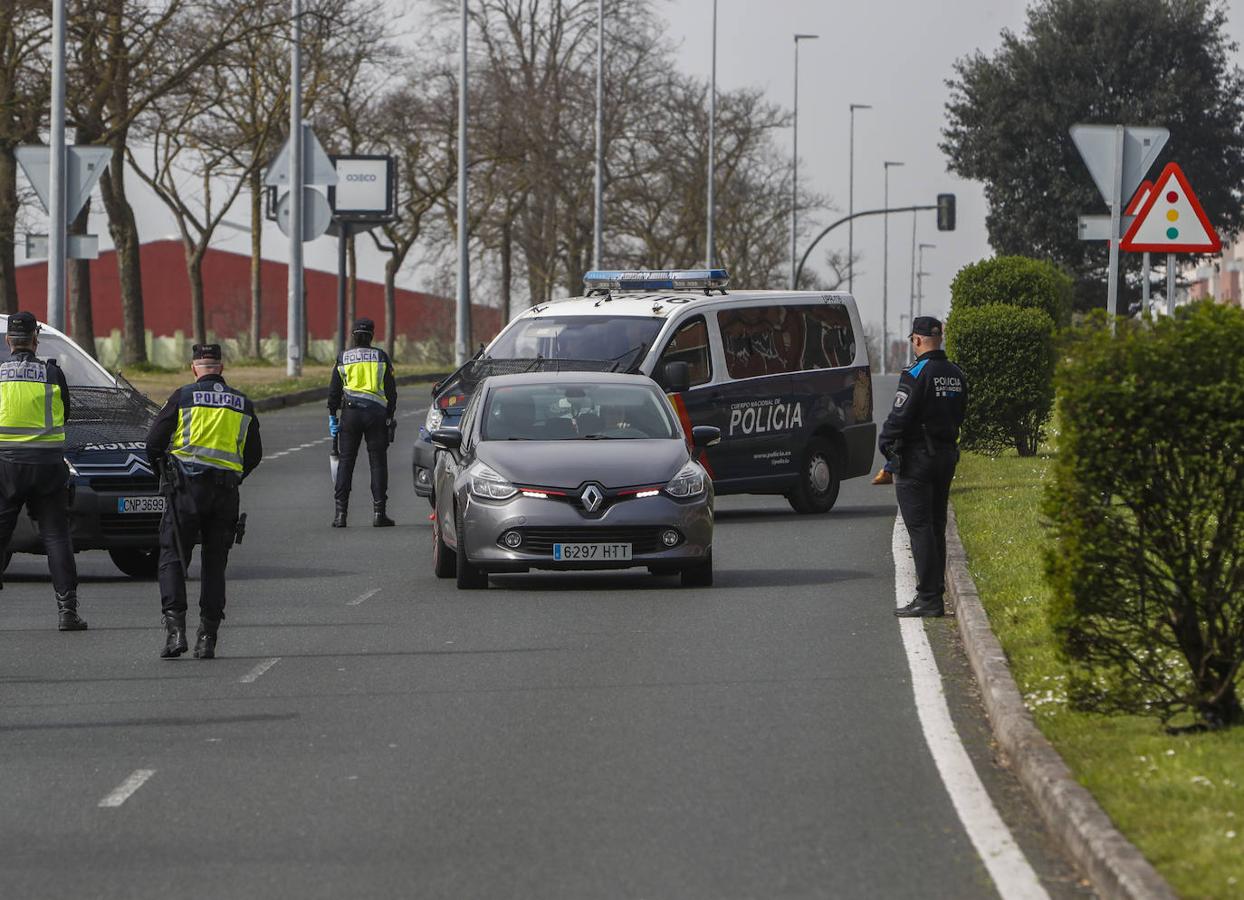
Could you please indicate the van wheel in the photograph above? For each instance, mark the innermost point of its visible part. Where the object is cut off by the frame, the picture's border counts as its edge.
(137, 562)
(699, 574)
(470, 578)
(817, 491)
(444, 559)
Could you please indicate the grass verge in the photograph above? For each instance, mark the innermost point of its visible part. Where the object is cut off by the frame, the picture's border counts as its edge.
(1180, 799)
(257, 381)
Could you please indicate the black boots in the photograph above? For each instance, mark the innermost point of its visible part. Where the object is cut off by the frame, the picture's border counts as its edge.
(339, 519)
(205, 640)
(380, 520)
(67, 611)
(175, 625)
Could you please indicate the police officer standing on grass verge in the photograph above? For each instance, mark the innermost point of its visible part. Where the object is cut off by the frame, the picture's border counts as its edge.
(34, 404)
(206, 439)
(365, 392)
(921, 437)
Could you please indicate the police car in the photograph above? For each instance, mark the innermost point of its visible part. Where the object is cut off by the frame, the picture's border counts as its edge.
(784, 375)
(116, 503)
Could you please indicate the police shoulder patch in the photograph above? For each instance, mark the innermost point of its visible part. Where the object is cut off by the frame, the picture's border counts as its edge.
(901, 398)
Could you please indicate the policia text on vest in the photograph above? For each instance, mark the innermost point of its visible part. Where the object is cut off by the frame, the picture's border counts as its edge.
(34, 404)
(208, 433)
(364, 391)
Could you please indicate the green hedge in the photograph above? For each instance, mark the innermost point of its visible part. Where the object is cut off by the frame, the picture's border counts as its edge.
(1007, 354)
(1015, 281)
(1147, 508)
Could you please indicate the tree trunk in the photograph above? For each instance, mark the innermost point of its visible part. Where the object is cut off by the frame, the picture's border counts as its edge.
(352, 285)
(390, 305)
(8, 230)
(124, 231)
(507, 269)
(194, 271)
(79, 277)
(256, 336)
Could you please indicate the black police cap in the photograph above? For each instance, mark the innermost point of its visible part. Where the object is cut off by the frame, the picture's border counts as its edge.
(23, 324)
(364, 326)
(207, 351)
(926, 326)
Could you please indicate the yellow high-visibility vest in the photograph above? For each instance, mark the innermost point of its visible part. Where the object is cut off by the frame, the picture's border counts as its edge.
(212, 421)
(32, 410)
(362, 375)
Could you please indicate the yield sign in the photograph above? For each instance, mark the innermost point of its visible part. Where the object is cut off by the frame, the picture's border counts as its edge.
(83, 166)
(317, 168)
(1171, 220)
(1141, 146)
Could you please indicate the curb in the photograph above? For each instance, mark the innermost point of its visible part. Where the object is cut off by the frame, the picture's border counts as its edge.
(310, 395)
(1113, 865)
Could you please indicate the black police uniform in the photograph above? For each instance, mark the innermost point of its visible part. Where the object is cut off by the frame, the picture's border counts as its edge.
(365, 415)
(204, 500)
(33, 473)
(921, 433)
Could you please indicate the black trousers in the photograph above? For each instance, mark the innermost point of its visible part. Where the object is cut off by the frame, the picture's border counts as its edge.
(43, 487)
(206, 510)
(366, 421)
(923, 498)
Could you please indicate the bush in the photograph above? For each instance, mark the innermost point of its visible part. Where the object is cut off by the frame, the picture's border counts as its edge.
(1015, 281)
(1147, 508)
(1007, 354)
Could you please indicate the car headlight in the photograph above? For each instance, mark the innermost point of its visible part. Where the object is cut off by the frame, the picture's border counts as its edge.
(488, 485)
(689, 482)
(73, 470)
(434, 419)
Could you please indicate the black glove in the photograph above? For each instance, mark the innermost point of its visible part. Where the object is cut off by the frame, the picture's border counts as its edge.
(392, 424)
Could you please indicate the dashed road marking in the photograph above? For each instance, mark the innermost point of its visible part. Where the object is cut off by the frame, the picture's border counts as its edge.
(361, 598)
(254, 673)
(1005, 862)
(126, 789)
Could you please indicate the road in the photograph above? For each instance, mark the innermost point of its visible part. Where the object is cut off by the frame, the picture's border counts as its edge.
(368, 731)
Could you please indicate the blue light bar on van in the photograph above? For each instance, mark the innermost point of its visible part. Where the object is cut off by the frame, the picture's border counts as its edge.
(658, 280)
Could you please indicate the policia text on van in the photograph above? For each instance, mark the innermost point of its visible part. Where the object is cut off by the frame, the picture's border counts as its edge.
(784, 375)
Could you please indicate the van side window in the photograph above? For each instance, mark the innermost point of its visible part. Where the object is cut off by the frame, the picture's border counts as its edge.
(690, 345)
(770, 340)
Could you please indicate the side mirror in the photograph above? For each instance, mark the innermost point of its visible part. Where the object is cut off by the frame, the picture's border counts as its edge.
(676, 377)
(447, 438)
(705, 436)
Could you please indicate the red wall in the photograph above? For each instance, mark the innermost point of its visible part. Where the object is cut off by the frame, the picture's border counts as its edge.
(226, 279)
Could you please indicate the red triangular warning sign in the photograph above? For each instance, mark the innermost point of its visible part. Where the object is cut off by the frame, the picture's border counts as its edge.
(1171, 220)
(1142, 194)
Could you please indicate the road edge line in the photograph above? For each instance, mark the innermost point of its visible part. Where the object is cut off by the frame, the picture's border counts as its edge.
(1116, 868)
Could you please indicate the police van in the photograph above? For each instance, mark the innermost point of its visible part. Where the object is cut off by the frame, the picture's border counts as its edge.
(783, 374)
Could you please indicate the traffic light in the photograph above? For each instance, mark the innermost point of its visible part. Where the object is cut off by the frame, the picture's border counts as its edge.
(945, 212)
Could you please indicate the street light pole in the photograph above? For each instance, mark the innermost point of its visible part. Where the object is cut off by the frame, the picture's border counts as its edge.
(885, 271)
(851, 203)
(710, 243)
(920, 273)
(294, 310)
(462, 336)
(57, 218)
(794, 170)
(598, 231)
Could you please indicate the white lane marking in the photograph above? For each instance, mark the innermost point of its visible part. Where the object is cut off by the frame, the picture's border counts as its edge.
(1007, 866)
(126, 788)
(254, 673)
(363, 597)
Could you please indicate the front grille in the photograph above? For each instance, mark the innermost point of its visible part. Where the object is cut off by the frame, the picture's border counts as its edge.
(541, 540)
(130, 524)
(124, 484)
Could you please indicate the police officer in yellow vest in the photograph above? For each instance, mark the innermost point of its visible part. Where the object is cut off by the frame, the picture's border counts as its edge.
(364, 390)
(34, 404)
(212, 436)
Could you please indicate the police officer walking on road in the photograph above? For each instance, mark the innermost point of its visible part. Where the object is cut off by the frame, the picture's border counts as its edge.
(365, 392)
(204, 441)
(34, 404)
(921, 436)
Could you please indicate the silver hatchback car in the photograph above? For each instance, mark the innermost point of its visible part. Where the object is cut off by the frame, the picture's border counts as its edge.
(572, 470)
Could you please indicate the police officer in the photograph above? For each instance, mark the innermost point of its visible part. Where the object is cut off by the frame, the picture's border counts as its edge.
(206, 440)
(920, 436)
(364, 390)
(34, 404)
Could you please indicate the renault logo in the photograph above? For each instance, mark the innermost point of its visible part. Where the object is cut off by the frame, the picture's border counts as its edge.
(592, 498)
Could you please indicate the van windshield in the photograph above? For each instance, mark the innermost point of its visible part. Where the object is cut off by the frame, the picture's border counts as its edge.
(624, 340)
(79, 369)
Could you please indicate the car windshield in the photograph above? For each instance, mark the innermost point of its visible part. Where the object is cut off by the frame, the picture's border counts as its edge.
(79, 369)
(580, 411)
(621, 338)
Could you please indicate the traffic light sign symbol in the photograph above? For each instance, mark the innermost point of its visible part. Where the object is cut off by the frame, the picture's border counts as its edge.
(1171, 219)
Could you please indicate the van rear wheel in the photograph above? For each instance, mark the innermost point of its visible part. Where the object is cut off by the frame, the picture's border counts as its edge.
(817, 491)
